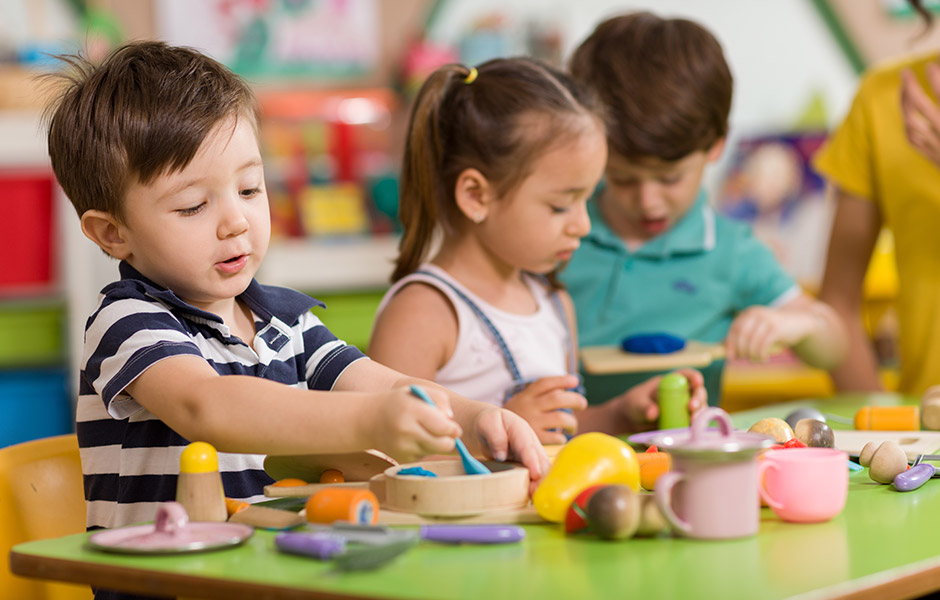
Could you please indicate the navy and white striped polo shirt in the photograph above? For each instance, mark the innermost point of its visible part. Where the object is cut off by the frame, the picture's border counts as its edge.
(130, 458)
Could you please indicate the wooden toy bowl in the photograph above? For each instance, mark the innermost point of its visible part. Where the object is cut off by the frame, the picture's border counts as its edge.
(453, 493)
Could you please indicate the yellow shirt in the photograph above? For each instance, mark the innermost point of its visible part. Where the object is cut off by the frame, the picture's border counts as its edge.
(869, 156)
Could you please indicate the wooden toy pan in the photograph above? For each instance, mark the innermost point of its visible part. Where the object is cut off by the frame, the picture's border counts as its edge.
(453, 493)
(355, 466)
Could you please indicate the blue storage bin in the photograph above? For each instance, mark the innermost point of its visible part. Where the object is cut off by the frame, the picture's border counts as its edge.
(34, 403)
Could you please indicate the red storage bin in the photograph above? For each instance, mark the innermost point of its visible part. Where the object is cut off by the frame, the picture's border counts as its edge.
(26, 226)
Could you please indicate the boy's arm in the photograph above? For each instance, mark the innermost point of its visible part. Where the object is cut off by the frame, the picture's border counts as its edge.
(811, 328)
(855, 230)
(252, 415)
(824, 343)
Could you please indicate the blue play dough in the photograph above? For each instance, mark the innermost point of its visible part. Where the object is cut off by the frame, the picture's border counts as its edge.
(419, 471)
(652, 343)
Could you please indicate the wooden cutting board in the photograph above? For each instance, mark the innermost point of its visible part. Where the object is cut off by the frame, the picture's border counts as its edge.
(355, 466)
(606, 360)
(912, 442)
(388, 515)
(524, 515)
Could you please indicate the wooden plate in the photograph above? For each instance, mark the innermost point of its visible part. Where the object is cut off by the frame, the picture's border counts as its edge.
(606, 360)
(912, 442)
(355, 466)
(453, 493)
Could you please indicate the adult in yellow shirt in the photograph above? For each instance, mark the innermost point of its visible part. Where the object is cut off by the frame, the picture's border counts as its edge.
(884, 163)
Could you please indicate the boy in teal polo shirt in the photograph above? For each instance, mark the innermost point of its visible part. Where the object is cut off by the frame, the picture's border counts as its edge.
(658, 258)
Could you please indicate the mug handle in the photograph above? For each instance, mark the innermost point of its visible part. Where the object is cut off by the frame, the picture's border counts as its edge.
(663, 495)
(762, 468)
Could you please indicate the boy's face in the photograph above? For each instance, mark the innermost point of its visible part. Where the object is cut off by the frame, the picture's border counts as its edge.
(203, 231)
(644, 199)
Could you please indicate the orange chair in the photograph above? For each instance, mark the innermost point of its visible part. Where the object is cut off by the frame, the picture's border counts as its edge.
(41, 496)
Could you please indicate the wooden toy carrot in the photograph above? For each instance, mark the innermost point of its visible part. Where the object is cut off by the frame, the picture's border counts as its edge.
(343, 504)
(888, 418)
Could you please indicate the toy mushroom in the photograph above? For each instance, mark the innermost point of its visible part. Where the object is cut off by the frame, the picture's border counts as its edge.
(887, 462)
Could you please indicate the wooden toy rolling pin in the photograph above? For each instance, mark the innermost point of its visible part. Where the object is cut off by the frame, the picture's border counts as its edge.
(888, 418)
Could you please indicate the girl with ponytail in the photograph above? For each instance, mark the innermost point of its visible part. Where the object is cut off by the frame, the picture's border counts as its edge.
(499, 164)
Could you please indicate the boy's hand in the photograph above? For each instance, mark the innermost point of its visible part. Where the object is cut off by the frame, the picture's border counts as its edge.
(539, 405)
(407, 429)
(921, 114)
(760, 331)
(506, 436)
(639, 405)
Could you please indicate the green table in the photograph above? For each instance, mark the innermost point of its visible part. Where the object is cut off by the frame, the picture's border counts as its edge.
(883, 545)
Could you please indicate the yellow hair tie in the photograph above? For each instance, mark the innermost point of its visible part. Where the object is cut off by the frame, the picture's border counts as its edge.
(471, 76)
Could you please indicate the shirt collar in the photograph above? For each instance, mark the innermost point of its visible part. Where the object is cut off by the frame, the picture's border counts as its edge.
(692, 234)
(265, 301)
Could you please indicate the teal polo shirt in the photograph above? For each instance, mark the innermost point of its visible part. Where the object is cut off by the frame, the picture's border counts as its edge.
(690, 281)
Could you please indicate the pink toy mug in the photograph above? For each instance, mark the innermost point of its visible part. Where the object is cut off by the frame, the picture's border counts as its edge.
(804, 485)
(711, 491)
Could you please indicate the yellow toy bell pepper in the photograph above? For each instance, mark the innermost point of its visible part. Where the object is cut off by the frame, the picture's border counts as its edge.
(588, 459)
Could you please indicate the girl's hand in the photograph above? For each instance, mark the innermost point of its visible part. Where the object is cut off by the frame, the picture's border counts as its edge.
(639, 406)
(506, 436)
(539, 405)
(407, 429)
(759, 331)
(921, 113)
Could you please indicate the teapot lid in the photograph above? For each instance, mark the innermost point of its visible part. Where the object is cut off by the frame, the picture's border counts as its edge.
(723, 443)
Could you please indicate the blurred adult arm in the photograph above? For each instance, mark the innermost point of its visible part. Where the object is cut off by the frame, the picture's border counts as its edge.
(855, 230)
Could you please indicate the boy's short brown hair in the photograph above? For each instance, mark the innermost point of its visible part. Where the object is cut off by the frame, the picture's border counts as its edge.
(665, 82)
(143, 112)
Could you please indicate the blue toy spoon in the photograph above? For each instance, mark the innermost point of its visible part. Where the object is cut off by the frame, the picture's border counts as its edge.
(471, 465)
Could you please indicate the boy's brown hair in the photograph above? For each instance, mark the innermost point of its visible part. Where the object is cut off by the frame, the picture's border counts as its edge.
(665, 82)
(143, 112)
(480, 119)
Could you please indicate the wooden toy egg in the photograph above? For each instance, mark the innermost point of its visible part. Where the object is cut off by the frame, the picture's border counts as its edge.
(864, 457)
(652, 521)
(613, 512)
(930, 409)
(814, 433)
(773, 427)
(887, 462)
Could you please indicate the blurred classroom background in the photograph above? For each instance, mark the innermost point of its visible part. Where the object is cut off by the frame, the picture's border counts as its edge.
(335, 79)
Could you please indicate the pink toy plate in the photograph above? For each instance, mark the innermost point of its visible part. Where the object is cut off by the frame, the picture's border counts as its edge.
(171, 533)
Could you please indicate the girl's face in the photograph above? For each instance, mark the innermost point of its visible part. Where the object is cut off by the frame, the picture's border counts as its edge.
(541, 221)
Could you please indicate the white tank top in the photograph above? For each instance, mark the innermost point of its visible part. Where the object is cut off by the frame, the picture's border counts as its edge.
(538, 342)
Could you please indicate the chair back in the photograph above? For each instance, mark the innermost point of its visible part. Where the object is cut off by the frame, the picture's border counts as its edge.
(41, 496)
